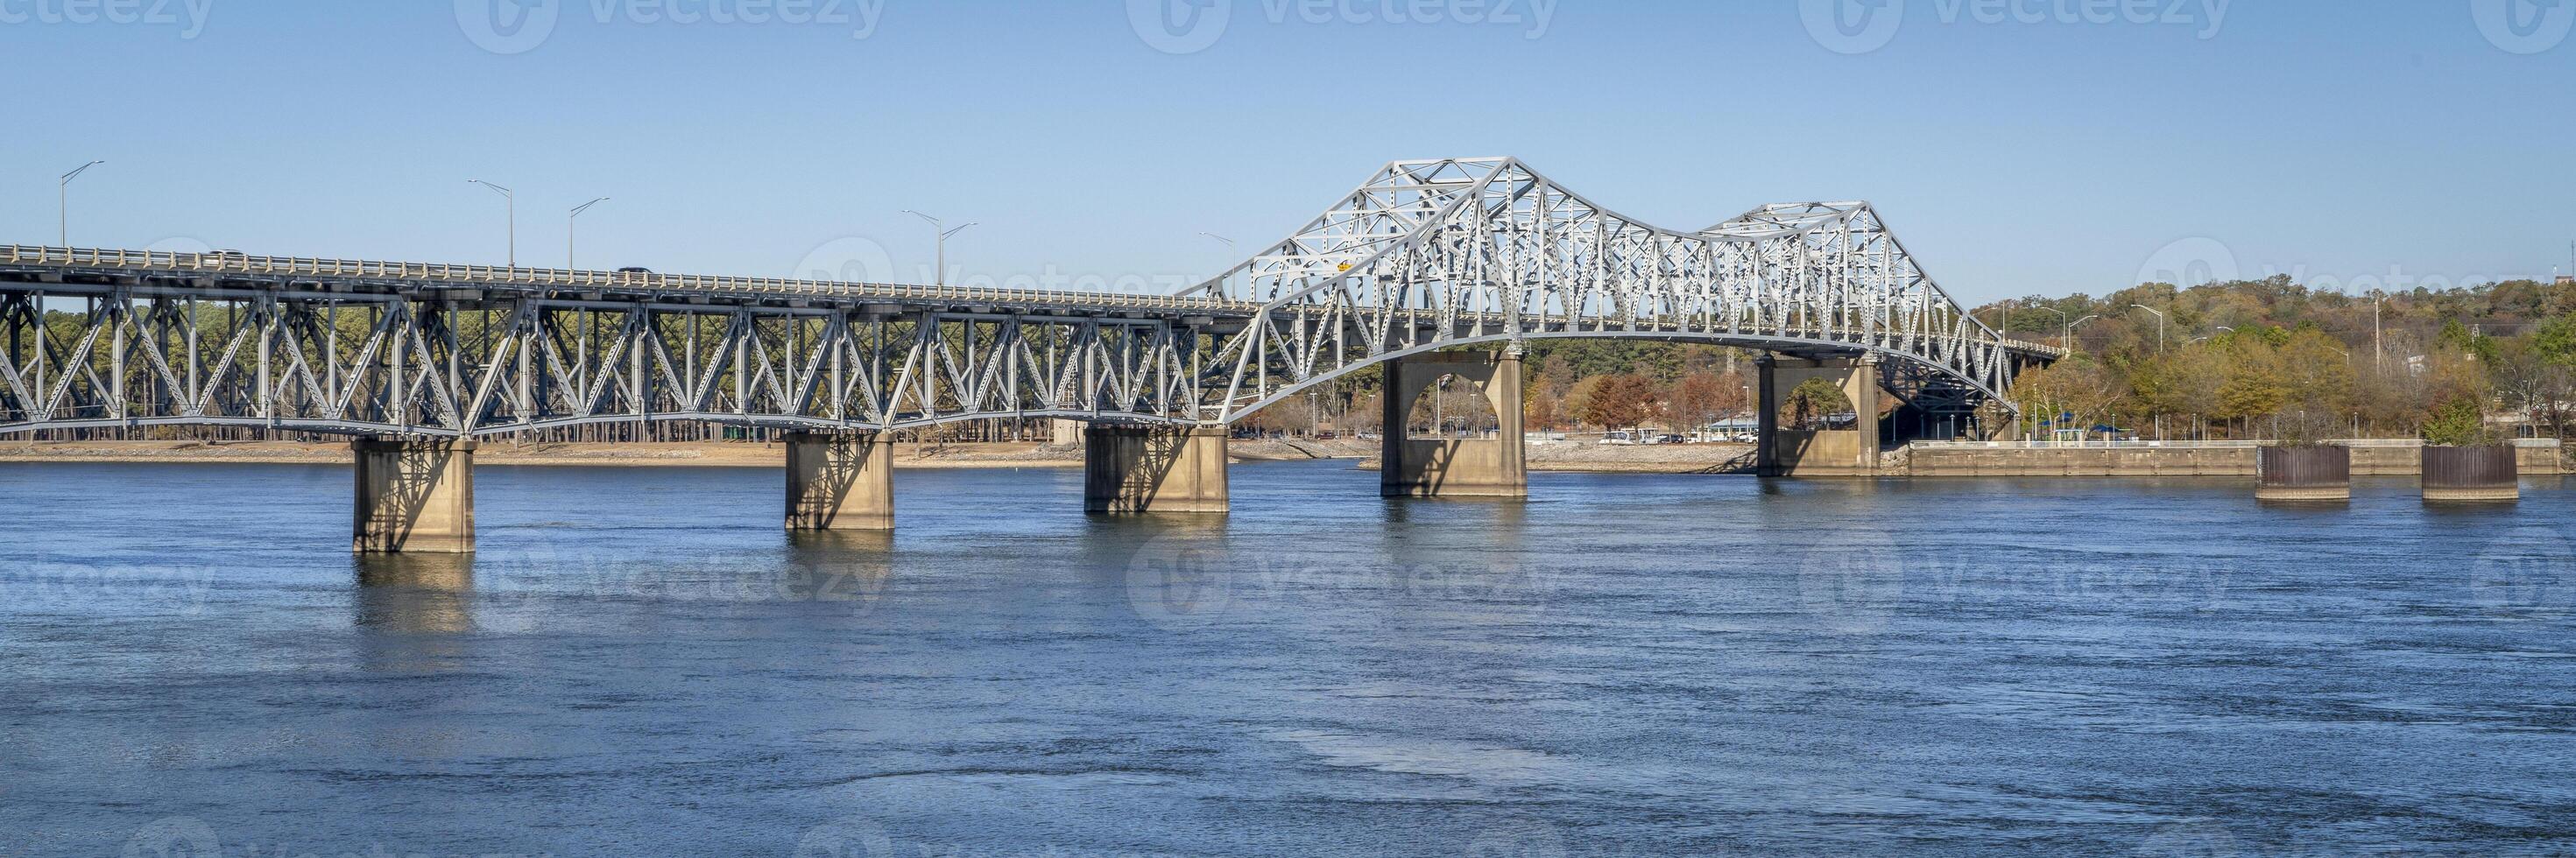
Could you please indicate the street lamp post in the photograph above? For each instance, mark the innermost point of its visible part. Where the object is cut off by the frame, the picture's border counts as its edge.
(63, 199)
(2160, 326)
(936, 226)
(2069, 334)
(569, 221)
(2378, 351)
(513, 198)
(2061, 324)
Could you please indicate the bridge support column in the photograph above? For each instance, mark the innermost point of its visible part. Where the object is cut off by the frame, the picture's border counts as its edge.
(840, 481)
(1140, 469)
(1453, 467)
(1065, 433)
(1827, 452)
(415, 496)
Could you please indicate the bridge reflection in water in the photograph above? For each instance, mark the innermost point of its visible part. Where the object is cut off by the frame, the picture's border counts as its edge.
(1435, 256)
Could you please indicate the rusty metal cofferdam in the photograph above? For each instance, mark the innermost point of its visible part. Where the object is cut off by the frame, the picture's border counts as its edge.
(1426, 255)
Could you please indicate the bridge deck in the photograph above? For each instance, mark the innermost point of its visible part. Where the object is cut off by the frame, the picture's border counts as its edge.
(69, 265)
(72, 266)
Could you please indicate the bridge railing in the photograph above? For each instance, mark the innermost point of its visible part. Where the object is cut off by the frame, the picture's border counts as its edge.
(235, 263)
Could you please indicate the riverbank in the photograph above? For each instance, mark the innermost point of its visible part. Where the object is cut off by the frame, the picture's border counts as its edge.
(2168, 459)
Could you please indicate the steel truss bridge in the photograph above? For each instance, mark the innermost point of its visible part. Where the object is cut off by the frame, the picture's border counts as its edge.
(1426, 255)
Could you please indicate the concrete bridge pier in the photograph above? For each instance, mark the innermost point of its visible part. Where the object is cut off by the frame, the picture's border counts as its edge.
(1849, 452)
(1141, 469)
(1454, 467)
(414, 496)
(840, 481)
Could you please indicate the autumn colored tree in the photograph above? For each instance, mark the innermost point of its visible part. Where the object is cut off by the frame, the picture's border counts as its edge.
(1703, 397)
(1620, 401)
(2078, 385)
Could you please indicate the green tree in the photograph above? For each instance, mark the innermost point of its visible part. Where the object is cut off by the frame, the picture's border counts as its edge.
(1813, 399)
(2458, 422)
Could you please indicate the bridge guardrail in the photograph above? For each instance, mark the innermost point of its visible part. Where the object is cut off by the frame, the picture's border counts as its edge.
(232, 263)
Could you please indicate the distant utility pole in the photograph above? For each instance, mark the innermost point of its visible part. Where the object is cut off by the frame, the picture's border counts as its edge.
(2061, 324)
(2378, 347)
(569, 223)
(2160, 326)
(513, 197)
(936, 226)
(63, 198)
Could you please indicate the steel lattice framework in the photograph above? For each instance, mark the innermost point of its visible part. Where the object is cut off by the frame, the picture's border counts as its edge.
(1437, 254)
(1428, 254)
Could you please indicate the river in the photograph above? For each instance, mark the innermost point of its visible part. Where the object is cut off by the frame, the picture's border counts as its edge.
(639, 661)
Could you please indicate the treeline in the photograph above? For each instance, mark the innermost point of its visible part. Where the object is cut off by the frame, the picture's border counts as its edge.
(2271, 358)
(1568, 385)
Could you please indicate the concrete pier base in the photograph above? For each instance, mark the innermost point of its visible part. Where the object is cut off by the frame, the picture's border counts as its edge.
(2303, 474)
(840, 481)
(414, 496)
(2483, 474)
(1454, 467)
(1824, 452)
(1139, 469)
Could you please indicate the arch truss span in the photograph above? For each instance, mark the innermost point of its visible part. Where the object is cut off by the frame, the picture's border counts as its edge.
(1439, 253)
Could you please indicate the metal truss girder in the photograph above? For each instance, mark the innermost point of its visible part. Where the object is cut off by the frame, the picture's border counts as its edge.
(1425, 255)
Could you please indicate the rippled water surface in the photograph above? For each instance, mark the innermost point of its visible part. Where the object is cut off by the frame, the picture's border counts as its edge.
(641, 662)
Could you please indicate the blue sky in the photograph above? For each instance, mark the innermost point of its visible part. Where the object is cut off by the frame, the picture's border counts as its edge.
(2045, 155)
